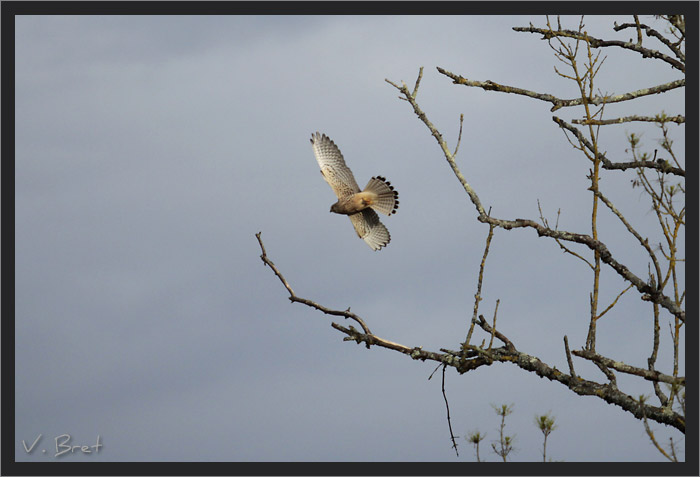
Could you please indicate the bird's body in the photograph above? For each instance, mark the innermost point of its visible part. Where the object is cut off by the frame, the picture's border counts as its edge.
(359, 205)
(378, 194)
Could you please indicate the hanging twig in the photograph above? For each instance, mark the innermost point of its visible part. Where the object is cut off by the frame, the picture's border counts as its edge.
(447, 405)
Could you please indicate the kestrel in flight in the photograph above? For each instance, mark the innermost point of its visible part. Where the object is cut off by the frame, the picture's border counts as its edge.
(360, 206)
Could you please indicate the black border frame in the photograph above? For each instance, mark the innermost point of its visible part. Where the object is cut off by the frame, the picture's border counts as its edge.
(10, 9)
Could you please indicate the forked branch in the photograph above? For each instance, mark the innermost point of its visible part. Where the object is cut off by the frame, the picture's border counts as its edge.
(649, 293)
(474, 357)
(599, 43)
(558, 103)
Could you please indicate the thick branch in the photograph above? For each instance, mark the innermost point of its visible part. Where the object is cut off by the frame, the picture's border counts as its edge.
(473, 358)
(465, 362)
(607, 392)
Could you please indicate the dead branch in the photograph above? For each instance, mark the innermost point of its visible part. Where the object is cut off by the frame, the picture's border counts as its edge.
(569, 361)
(474, 357)
(447, 405)
(661, 166)
(678, 119)
(548, 34)
(559, 103)
(293, 298)
(477, 295)
(649, 293)
(655, 376)
(653, 33)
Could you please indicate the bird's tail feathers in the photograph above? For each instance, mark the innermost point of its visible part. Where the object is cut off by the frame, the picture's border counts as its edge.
(387, 198)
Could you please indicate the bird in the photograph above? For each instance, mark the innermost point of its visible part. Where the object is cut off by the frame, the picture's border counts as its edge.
(359, 205)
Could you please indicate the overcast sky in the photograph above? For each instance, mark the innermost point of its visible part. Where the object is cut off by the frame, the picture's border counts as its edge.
(150, 150)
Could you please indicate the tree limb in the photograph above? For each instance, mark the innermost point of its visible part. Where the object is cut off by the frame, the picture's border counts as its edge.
(649, 293)
(678, 119)
(651, 32)
(548, 34)
(649, 375)
(661, 166)
(293, 298)
(558, 103)
(475, 357)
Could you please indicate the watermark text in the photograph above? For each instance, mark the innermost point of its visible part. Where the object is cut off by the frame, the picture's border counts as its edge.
(64, 446)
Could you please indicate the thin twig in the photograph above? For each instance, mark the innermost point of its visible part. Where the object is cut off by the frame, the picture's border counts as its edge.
(447, 405)
(415, 88)
(459, 139)
(643, 242)
(568, 357)
(434, 371)
(485, 326)
(477, 295)
(294, 298)
(611, 305)
(493, 331)
(408, 96)
(650, 433)
(566, 249)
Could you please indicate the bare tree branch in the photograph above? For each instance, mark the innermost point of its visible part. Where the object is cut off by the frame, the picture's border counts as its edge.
(643, 242)
(653, 33)
(650, 433)
(661, 166)
(470, 356)
(447, 405)
(509, 354)
(568, 357)
(411, 98)
(626, 368)
(293, 298)
(558, 103)
(678, 119)
(548, 34)
(477, 295)
(493, 331)
(474, 358)
(650, 294)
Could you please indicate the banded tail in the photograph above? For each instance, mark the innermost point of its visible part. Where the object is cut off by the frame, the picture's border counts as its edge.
(387, 200)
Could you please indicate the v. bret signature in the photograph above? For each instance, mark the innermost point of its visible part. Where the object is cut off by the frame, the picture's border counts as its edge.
(63, 446)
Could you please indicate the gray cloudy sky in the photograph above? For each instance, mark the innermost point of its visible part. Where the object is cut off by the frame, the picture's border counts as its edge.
(150, 150)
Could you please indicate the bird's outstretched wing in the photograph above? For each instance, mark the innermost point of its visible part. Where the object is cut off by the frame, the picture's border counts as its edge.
(370, 229)
(333, 167)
